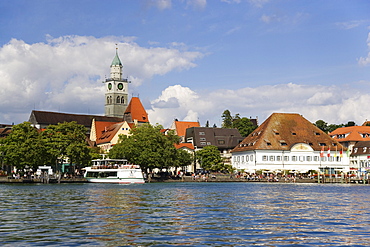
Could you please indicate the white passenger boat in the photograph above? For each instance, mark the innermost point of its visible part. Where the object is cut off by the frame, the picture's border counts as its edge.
(114, 171)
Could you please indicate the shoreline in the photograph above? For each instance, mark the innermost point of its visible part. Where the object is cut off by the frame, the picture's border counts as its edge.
(187, 179)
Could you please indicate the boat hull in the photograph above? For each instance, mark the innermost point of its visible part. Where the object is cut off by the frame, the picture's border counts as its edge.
(116, 180)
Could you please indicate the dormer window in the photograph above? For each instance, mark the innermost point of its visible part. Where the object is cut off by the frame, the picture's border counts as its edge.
(294, 134)
(322, 144)
(364, 149)
(317, 133)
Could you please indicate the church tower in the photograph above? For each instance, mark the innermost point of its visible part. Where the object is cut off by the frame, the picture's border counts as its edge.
(116, 90)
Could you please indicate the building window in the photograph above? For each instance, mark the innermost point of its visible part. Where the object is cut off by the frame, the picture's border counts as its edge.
(202, 133)
(294, 158)
(202, 139)
(108, 100)
(118, 100)
(242, 158)
(309, 158)
(301, 158)
(208, 143)
(272, 158)
(268, 143)
(278, 158)
(283, 143)
(264, 158)
(203, 143)
(364, 150)
(247, 158)
(122, 100)
(251, 158)
(316, 158)
(286, 158)
(221, 142)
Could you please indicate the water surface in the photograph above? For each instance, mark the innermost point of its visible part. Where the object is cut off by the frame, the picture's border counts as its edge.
(185, 214)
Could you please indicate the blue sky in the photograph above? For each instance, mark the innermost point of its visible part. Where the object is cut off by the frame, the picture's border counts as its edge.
(188, 59)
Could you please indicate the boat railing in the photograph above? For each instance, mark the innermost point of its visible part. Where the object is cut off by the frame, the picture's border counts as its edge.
(115, 166)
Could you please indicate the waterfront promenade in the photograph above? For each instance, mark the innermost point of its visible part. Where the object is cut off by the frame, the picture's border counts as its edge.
(219, 178)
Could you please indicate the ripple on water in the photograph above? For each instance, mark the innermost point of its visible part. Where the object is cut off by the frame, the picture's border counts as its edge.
(188, 214)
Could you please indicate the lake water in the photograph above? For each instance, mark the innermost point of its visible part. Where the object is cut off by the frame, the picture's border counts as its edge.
(185, 214)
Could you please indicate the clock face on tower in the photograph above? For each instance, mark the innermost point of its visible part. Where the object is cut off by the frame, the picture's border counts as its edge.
(109, 86)
(120, 86)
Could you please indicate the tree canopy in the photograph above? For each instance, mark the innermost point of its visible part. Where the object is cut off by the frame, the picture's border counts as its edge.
(243, 124)
(149, 148)
(210, 159)
(28, 147)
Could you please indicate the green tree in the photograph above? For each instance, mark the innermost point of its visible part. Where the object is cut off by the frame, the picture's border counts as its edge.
(147, 147)
(321, 124)
(68, 140)
(24, 147)
(244, 125)
(210, 158)
(227, 119)
(183, 158)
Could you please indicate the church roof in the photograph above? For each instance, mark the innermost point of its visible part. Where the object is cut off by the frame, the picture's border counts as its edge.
(136, 110)
(281, 131)
(47, 118)
(116, 60)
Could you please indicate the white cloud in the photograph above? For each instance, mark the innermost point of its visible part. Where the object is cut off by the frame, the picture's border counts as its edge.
(363, 61)
(258, 3)
(351, 24)
(160, 4)
(65, 74)
(330, 103)
(196, 4)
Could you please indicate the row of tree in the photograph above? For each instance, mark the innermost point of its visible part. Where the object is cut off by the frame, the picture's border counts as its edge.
(28, 147)
(327, 128)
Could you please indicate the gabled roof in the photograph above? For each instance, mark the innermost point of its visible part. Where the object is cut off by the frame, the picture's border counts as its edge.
(222, 138)
(107, 133)
(48, 118)
(135, 111)
(184, 145)
(351, 133)
(181, 126)
(282, 130)
(361, 148)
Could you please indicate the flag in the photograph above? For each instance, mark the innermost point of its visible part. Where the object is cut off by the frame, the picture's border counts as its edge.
(322, 152)
(329, 152)
(341, 153)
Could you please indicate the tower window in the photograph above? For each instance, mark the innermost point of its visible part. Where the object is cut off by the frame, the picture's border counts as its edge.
(118, 100)
(122, 100)
(108, 100)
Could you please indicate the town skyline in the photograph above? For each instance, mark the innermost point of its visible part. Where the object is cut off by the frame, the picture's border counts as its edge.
(188, 60)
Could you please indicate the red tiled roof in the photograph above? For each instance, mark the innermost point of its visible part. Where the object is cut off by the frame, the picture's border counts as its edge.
(136, 110)
(108, 133)
(100, 129)
(351, 133)
(282, 130)
(181, 127)
(184, 144)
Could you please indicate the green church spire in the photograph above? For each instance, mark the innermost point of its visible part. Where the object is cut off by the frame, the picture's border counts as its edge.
(116, 60)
